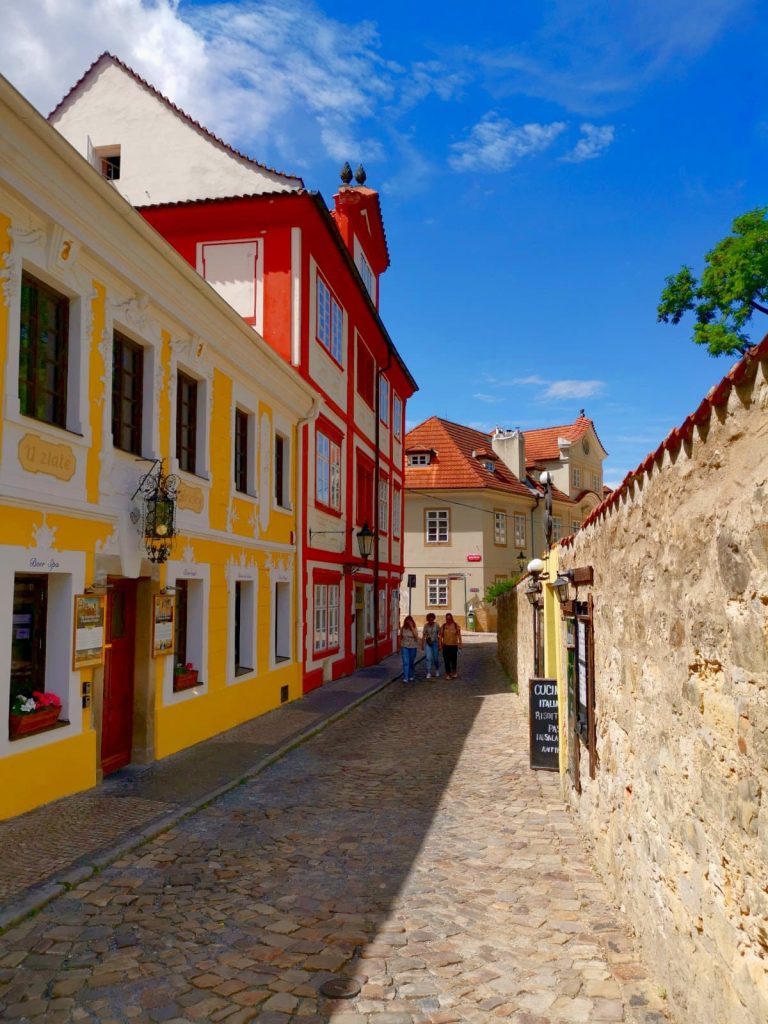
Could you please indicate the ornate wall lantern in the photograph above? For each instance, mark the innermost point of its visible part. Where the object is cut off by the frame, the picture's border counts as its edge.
(156, 512)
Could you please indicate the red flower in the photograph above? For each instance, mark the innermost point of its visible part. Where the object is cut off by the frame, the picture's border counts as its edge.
(46, 700)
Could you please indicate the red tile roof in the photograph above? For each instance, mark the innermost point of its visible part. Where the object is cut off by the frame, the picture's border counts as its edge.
(453, 465)
(716, 397)
(107, 57)
(541, 445)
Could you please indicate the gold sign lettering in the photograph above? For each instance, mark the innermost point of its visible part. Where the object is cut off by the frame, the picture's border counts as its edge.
(36, 455)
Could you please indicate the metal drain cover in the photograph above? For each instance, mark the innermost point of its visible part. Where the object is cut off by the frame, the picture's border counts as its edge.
(340, 988)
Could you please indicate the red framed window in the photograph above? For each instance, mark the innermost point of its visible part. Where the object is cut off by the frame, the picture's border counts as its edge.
(364, 510)
(384, 400)
(329, 321)
(365, 373)
(383, 509)
(397, 417)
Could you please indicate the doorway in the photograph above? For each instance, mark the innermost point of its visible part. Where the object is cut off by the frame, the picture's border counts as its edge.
(119, 657)
(360, 625)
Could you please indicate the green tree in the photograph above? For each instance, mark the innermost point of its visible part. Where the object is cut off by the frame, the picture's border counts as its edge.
(733, 286)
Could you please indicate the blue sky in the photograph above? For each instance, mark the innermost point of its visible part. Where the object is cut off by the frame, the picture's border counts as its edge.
(543, 167)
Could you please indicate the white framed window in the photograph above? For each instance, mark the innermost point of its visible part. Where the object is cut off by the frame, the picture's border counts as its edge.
(326, 616)
(366, 273)
(576, 477)
(281, 634)
(500, 529)
(383, 506)
(437, 591)
(419, 459)
(369, 611)
(382, 611)
(244, 627)
(329, 321)
(328, 472)
(519, 531)
(596, 483)
(557, 528)
(437, 521)
(575, 526)
(397, 511)
(384, 400)
(397, 417)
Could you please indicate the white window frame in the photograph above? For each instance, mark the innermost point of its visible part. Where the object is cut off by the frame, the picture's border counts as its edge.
(330, 322)
(383, 516)
(596, 483)
(369, 623)
(281, 430)
(419, 459)
(203, 418)
(384, 400)
(557, 527)
(397, 511)
(437, 587)
(519, 531)
(327, 471)
(575, 525)
(382, 624)
(576, 477)
(500, 529)
(437, 526)
(247, 630)
(397, 416)
(256, 316)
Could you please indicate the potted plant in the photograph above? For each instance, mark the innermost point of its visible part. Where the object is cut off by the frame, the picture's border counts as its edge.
(33, 714)
(184, 676)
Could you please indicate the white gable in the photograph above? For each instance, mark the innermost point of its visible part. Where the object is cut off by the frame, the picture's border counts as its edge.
(163, 158)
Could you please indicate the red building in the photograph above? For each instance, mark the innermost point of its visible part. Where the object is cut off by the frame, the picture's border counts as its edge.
(307, 279)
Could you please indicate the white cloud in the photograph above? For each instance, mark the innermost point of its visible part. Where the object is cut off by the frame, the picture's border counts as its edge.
(495, 143)
(595, 139)
(562, 389)
(487, 398)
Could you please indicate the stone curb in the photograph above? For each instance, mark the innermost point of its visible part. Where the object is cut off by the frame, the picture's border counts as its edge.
(35, 899)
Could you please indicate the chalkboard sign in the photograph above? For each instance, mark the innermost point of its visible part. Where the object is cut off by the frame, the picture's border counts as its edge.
(544, 729)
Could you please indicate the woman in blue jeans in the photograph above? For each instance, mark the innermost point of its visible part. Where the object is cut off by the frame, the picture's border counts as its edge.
(409, 642)
(430, 643)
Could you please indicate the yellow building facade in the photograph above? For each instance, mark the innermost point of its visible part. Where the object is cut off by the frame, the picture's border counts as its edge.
(122, 370)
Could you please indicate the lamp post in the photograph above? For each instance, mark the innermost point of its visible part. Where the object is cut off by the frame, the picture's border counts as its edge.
(546, 480)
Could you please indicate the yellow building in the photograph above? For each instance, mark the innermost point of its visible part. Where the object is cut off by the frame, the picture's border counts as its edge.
(148, 485)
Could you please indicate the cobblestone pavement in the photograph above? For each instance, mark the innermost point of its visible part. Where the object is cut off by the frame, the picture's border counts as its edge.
(408, 846)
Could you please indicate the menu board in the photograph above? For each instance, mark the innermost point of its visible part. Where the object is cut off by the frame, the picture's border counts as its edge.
(88, 647)
(543, 724)
(163, 609)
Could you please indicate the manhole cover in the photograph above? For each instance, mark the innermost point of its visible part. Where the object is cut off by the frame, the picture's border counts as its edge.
(340, 988)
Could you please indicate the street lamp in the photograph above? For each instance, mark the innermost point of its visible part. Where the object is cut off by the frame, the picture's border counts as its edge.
(365, 539)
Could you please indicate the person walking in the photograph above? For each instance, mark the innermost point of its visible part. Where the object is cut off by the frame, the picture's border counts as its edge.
(409, 643)
(430, 644)
(450, 640)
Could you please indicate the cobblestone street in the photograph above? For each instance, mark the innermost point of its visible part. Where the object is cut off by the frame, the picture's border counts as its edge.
(408, 845)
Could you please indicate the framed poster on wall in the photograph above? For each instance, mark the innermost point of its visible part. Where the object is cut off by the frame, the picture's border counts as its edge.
(163, 617)
(88, 644)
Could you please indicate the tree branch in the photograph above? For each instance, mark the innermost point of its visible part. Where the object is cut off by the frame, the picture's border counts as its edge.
(758, 307)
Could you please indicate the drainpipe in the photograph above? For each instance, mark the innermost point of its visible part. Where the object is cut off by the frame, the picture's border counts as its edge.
(301, 526)
(376, 478)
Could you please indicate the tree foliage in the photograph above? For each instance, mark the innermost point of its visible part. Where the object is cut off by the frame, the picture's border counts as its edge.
(495, 590)
(733, 286)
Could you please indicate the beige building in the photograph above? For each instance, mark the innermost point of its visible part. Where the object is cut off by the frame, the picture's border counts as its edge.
(474, 508)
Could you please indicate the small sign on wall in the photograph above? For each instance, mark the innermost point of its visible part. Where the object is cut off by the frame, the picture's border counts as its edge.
(163, 613)
(474, 558)
(88, 646)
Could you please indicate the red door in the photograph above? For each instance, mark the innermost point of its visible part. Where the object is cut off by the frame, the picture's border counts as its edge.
(117, 715)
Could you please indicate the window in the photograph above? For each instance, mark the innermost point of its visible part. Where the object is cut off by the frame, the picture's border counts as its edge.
(364, 373)
(383, 506)
(397, 511)
(366, 273)
(499, 528)
(329, 321)
(108, 162)
(241, 450)
(576, 477)
(186, 422)
(557, 528)
(327, 472)
(189, 634)
(383, 399)
(382, 624)
(244, 627)
(281, 605)
(28, 637)
(437, 591)
(419, 459)
(437, 522)
(231, 268)
(326, 616)
(180, 621)
(519, 531)
(127, 393)
(596, 483)
(575, 526)
(364, 490)
(397, 417)
(43, 352)
(282, 470)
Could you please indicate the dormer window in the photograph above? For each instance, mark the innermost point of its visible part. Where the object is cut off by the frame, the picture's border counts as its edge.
(108, 162)
(420, 458)
(489, 466)
(487, 458)
(362, 264)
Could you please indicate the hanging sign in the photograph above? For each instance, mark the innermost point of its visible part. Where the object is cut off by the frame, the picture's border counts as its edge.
(543, 724)
(163, 610)
(88, 645)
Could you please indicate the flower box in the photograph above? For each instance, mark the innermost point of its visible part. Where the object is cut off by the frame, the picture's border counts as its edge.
(184, 680)
(37, 721)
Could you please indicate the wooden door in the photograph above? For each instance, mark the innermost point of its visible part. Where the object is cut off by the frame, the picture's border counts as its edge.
(117, 711)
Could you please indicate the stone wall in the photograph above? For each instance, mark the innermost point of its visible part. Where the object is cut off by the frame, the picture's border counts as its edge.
(678, 813)
(506, 625)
